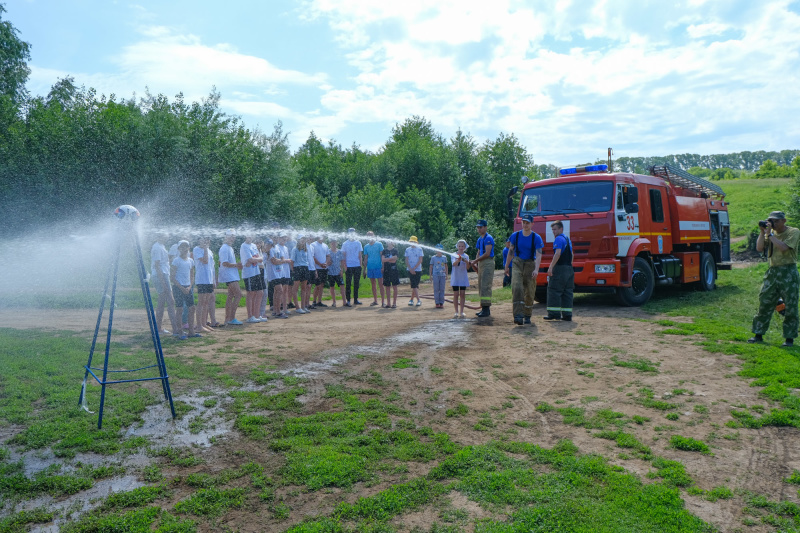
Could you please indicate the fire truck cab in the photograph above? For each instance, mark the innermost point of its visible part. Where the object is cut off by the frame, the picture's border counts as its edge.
(631, 232)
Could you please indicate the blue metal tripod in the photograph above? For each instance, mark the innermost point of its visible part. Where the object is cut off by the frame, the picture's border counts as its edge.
(151, 318)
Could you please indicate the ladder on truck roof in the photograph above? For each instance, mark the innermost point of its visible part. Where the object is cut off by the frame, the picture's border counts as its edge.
(681, 178)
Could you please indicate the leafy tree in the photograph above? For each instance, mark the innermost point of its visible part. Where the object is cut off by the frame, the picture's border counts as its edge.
(14, 54)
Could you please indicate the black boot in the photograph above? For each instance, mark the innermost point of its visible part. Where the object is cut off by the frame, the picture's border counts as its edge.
(527, 320)
(484, 312)
(566, 318)
(518, 320)
(757, 339)
(788, 343)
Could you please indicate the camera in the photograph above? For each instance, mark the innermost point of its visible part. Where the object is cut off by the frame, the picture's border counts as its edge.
(762, 223)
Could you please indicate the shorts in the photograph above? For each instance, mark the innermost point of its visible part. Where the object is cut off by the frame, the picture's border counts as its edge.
(205, 288)
(254, 283)
(459, 288)
(322, 276)
(283, 281)
(415, 276)
(391, 278)
(161, 288)
(335, 279)
(181, 299)
(374, 273)
(300, 273)
(228, 284)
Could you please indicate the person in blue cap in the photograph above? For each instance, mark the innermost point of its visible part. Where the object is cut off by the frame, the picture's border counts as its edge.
(524, 255)
(484, 263)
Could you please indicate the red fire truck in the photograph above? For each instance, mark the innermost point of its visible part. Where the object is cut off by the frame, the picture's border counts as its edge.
(631, 232)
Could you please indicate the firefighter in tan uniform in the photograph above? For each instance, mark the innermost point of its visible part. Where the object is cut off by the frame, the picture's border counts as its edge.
(781, 279)
(484, 263)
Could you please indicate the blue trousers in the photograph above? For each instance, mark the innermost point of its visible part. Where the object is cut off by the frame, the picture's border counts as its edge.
(438, 289)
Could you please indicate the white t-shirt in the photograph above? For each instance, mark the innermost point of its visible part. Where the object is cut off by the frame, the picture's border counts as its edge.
(183, 270)
(159, 253)
(203, 273)
(412, 256)
(246, 251)
(310, 249)
(287, 270)
(321, 253)
(227, 274)
(276, 253)
(351, 249)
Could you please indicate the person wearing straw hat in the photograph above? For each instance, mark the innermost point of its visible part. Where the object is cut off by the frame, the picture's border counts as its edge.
(413, 257)
(781, 279)
(484, 263)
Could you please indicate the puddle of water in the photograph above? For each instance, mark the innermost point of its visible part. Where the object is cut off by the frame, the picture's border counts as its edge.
(79, 503)
(160, 428)
(439, 334)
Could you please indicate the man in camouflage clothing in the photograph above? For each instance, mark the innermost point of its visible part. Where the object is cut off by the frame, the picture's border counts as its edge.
(781, 280)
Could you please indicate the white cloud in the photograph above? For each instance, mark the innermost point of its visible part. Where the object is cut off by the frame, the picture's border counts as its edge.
(697, 31)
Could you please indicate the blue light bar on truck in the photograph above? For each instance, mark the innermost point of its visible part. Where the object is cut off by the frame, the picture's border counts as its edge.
(581, 170)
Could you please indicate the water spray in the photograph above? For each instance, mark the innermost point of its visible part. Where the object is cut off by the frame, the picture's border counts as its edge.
(128, 217)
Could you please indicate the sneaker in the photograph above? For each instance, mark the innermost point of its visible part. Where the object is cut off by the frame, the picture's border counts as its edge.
(456, 316)
(263, 319)
(463, 315)
(333, 304)
(183, 337)
(312, 306)
(290, 306)
(282, 315)
(195, 335)
(252, 320)
(419, 303)
(320, 304)
(411, 303)
(301, 311)
(307, 309)
(374, 304)
(347, 304)
(758, 339)
(356, 302)
(235, 322)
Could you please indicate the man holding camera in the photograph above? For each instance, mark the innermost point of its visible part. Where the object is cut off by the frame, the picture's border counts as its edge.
(781, 280)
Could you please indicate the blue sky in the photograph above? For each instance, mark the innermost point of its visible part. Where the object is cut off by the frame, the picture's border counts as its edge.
(568, 78)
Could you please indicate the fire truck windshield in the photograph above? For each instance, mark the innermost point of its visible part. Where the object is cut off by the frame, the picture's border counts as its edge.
(572, 197)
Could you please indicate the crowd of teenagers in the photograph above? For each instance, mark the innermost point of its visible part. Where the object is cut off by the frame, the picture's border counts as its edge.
(284, 274)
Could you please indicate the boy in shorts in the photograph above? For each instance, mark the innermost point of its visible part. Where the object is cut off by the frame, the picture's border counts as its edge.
(372, 267)
(267, 295)
(253, 280)
(321, 257)
(391, 277)
(160, 271)
(413, 257)
(181, 272)
(336, 266)
(279, 262)
(229, 274)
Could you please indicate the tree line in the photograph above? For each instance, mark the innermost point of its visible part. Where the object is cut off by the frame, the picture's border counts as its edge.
(72, 154)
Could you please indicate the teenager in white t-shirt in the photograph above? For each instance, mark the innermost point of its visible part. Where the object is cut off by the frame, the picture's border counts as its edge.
(321, 258)
(205, 281)
(229, 274)
(160, 270)
(279, 259)
(181, 272)
(253, 280)
(352, 257)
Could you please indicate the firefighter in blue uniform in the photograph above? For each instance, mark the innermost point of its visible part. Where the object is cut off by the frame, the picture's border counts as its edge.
(561, 276)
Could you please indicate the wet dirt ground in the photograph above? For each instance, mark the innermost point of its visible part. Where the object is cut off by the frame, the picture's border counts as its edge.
(508, 370)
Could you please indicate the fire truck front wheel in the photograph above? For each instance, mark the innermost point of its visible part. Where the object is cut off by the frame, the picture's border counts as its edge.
(642, 285)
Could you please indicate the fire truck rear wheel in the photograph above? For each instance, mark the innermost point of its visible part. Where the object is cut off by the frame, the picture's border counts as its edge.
(642, 284)
(708, 273)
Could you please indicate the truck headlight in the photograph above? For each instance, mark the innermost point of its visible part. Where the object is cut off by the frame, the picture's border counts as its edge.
(605, 269)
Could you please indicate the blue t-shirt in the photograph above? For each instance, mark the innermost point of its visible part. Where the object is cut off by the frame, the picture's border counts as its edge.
(439, 265)
(560, 243)
(522, 245)
(300, 258)
(373, 253)
(485, 242)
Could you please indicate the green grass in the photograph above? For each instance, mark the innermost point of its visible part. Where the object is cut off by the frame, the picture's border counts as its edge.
(689, 444)
(723, 318)
(752, 200)
(637, 363)
(211, 502)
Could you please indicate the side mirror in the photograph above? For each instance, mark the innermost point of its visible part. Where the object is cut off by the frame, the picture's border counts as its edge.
(513, 191)
(510, 207)
(633, 195)
(631, 208)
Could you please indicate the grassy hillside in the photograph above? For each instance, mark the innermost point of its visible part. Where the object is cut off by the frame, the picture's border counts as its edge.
(752, 200)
